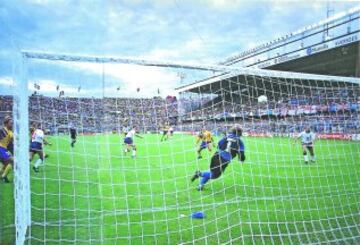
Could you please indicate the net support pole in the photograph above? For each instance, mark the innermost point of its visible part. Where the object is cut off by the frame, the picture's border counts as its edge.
(21, 156)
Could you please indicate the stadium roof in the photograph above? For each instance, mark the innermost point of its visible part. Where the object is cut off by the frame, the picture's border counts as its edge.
(254, 72)
(228, 72)
(291, 36)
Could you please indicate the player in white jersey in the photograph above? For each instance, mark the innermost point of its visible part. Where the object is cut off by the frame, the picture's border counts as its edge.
(125, 130)
(129, 142)
(36, 147)
(307, 141)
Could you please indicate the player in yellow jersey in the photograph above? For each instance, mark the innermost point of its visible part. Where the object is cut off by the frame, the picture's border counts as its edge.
(6, 139)
(207, 141)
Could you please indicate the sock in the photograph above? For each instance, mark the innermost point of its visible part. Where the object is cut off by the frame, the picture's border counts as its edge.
(205, 178)
(38, 163)
(306, 158)
(312, 158)
(7, 170)
(134, 153)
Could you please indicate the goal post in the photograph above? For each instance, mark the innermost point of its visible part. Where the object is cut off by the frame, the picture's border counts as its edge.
(21, 150)
(99, 188)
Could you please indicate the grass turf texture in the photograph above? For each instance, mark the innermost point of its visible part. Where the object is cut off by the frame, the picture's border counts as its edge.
(93, 193)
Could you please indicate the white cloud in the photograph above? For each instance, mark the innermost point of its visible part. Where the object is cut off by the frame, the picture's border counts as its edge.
(49, 86)
(197, 31)
(163, 54)
(223, 4)
(131, 77)
(46, 2)
(6, 81)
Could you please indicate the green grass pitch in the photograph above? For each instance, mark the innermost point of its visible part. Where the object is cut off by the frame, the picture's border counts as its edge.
(93, 194)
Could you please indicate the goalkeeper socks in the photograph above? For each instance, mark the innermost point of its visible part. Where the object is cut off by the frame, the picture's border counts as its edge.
(205, 178)
(134, 153)
(38, 163)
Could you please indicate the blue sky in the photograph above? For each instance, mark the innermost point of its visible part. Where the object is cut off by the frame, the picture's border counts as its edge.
(197, 31)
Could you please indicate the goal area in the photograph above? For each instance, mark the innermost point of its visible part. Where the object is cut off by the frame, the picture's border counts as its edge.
(99, 190)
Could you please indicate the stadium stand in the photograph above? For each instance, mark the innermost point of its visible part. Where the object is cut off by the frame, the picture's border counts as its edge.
(94, 115)
(330, 113)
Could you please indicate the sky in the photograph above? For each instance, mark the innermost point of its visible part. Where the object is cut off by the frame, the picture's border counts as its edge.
(195, 31)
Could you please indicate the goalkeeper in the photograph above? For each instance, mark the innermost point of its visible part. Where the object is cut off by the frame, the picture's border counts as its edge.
(228, 147)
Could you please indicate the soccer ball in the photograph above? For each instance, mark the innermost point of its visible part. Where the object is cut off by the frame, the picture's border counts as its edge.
(262, 99)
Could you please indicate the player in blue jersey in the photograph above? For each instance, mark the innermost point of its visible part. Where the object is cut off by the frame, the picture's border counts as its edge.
(228, 147)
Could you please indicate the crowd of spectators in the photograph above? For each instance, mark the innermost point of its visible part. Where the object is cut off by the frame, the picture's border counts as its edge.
(280, 126)
(325, 111)
(225, 107)
(93, 115)
(335, 111)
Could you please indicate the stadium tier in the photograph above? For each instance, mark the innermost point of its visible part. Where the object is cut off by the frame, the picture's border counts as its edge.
(96, 115)
(291, 103)
(329, 47)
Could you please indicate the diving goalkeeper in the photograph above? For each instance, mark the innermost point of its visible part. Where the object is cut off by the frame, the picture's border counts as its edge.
(228, 147)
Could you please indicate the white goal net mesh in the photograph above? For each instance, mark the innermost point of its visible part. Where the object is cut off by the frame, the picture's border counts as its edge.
(100, 190)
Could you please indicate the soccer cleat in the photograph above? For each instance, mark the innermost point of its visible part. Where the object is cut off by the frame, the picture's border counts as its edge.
(196, 175)
(306, 162)
(36, 170)
(199, 157)
(5, 179)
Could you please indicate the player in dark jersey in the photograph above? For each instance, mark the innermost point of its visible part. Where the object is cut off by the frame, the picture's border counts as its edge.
(165, 130)
(73, 135)
(228, 147)
(171, 131)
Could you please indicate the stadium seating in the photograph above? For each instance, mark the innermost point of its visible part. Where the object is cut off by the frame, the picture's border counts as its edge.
(328, 114)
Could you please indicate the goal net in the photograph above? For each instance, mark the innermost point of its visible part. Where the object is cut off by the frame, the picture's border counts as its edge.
(100, 190)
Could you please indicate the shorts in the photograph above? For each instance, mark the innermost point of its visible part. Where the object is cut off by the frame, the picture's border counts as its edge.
(35, 147)
(309, 146)
(204, 144)
(217, 166)
(128, 141)
(5, 155)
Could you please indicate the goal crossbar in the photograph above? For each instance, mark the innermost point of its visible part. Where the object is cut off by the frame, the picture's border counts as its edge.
(227, 70)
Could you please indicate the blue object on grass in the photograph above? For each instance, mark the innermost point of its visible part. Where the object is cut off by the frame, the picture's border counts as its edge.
(198, 215)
